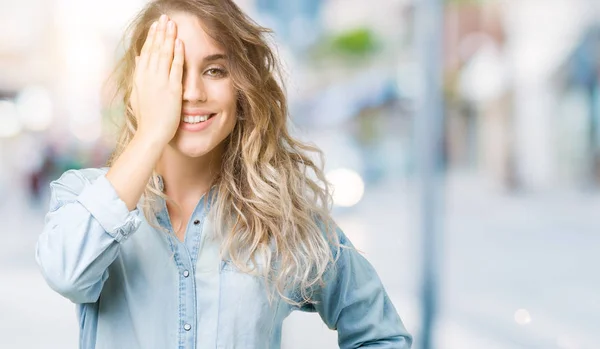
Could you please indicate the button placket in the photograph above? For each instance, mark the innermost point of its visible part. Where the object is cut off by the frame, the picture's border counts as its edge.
(186, 272)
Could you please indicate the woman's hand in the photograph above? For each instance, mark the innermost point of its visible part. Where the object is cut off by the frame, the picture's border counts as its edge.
(156, 102)
(157, 87)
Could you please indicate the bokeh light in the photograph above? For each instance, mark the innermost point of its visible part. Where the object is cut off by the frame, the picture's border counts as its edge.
(348, 187)
(35, 107)
(522, 317)
(10, 125)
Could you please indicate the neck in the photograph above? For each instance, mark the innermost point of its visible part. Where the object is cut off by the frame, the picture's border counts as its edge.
(187, 179)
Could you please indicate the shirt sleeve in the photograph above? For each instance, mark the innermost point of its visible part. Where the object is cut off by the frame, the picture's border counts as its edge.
(354, 302)
(83, 230)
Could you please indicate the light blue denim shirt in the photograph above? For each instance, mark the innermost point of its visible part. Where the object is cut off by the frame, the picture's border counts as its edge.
(136, 287)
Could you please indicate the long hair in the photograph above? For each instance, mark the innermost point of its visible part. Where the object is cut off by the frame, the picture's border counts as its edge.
(272, 202)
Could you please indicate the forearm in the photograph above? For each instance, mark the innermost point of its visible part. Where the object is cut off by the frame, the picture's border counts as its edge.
(129, 175)
(354, 302)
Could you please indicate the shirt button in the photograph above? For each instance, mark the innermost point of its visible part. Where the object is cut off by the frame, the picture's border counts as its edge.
(187, 327)
(186, 273)
(196, 222)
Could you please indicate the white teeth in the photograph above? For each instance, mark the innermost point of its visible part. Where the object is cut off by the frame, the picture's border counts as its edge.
(189, 119)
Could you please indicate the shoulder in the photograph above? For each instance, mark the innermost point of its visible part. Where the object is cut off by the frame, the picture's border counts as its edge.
(333, 233)
(73, 181)
(84, 174)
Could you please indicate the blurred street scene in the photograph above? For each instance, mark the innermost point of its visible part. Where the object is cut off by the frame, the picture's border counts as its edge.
(518, 206)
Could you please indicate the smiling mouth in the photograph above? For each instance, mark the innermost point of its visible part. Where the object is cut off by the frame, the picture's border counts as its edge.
(196, 119)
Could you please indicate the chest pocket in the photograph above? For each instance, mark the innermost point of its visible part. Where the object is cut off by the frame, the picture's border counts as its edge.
(246, 317)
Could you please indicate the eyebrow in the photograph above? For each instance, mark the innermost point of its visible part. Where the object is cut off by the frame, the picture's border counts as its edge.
(214, 57)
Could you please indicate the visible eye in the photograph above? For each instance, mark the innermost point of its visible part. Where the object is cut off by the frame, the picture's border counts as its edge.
(216, 72)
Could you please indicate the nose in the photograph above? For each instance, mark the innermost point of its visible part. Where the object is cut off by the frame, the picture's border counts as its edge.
(193, 88)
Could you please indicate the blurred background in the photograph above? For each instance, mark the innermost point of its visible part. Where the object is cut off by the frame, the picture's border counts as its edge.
(494, 244)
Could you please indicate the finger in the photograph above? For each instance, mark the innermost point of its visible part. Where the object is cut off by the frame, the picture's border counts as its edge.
(176, 74)
(167, 51)
(144, 54)
(158, 41)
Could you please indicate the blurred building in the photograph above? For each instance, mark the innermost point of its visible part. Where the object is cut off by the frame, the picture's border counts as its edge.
(502, 97)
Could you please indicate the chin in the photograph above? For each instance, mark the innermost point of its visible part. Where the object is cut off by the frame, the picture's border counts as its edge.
(194, 149)
(198, 145)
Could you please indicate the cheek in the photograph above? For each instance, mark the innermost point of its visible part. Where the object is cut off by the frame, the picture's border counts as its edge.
(229, 121)
(224, 95)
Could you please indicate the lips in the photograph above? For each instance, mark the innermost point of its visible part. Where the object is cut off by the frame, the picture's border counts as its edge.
(188, 122)
(194, 119)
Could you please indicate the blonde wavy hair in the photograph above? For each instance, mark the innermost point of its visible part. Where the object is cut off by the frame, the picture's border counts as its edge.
(273, 201)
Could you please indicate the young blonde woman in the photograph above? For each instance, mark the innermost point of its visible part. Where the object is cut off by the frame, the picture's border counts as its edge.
(211, 223)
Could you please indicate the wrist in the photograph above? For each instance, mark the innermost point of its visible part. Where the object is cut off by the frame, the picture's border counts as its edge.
(150, 142)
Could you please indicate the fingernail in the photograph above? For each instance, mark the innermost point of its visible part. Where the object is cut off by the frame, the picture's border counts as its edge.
(153, 26)
(163, 18)
(170, 26)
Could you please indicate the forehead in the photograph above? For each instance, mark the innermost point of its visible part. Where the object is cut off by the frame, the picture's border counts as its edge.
(197, 42)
